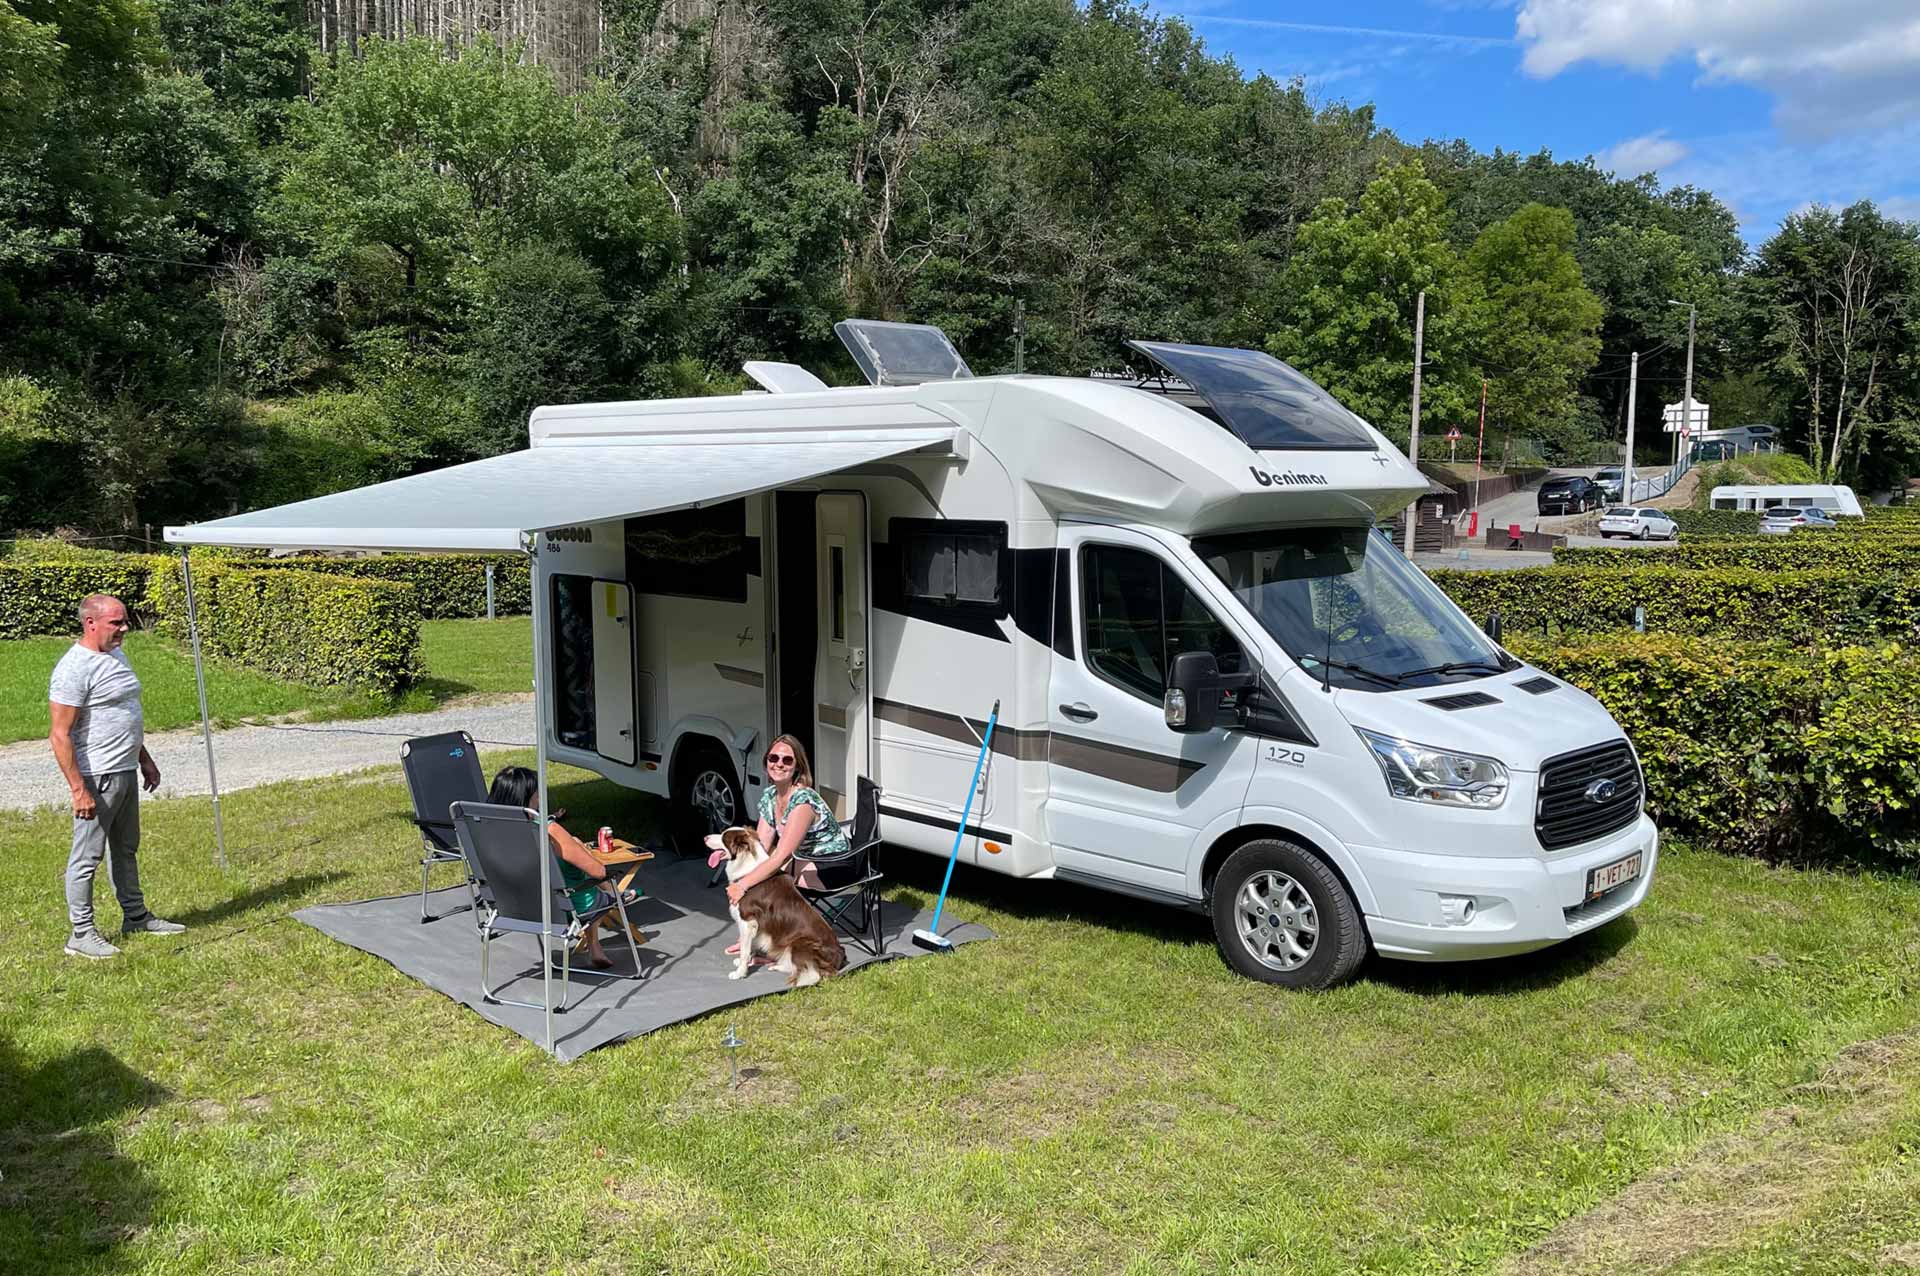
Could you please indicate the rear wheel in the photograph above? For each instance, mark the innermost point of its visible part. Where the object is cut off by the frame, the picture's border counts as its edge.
(706, 797)
(1281, 916)
(1642, 534)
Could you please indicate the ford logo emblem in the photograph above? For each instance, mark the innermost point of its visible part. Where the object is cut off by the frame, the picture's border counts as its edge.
(1601, 790)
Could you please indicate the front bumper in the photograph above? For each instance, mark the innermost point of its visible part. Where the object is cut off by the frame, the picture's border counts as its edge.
(1521, 904)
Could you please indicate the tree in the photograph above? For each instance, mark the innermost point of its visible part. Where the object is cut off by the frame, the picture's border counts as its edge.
(1352, 288)
(1839, 297)
(1541, 325)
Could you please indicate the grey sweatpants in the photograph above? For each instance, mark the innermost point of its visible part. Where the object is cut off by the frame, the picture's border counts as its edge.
(112, 834)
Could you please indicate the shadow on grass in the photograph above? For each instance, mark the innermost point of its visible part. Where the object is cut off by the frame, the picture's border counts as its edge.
(259, 897)
(68, 1200)
(1070, 901)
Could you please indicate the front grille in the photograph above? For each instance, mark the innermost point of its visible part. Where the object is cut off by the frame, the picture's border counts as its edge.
(1565, 816)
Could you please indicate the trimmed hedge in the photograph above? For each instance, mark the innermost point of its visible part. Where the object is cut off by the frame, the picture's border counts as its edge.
(447, 586)
(1794, 551)
(1717, 522)
(1832, 606)
(312, 627)
(1763, 747)
(43, 597)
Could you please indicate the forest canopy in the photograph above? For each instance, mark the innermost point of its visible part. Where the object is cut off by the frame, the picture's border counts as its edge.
(244, 261)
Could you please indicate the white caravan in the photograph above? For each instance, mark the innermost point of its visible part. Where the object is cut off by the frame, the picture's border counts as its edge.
(1834, 498)
(1219, 687)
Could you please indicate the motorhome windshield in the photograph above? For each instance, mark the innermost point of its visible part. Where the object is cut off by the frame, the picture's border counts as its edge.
(1346, 605)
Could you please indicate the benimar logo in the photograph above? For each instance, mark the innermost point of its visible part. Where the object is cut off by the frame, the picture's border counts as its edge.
(1285, 479)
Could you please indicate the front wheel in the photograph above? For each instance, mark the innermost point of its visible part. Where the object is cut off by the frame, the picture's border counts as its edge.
(1281, 916)
(706, 799)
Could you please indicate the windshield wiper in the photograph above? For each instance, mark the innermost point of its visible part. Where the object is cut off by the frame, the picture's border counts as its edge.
(1456, 666)
(1359, 671)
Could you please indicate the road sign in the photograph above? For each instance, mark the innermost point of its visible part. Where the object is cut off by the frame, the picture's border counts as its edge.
(1453, 434)
(1676, 420)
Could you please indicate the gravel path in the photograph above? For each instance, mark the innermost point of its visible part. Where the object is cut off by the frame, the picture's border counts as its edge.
(248, 756)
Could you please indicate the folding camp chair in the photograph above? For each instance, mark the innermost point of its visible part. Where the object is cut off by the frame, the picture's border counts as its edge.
(502, 845)
(849, 896)
(441, 770)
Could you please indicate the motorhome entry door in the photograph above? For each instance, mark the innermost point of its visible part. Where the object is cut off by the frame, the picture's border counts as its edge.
(614, 735)
(840, 720)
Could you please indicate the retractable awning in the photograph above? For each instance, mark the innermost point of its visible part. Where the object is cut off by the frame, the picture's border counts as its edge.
(487, 506)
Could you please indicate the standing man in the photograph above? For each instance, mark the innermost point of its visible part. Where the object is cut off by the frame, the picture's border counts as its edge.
(98, 739)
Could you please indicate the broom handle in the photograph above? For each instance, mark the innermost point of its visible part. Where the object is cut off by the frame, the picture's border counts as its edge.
(979, 764)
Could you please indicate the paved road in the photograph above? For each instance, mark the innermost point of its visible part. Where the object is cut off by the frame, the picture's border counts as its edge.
(248, 756)
(1523, 507)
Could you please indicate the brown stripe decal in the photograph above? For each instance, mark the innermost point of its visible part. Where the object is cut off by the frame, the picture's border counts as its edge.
(1012, 742)
(1155, 771)
(733, 673)
(832, 715)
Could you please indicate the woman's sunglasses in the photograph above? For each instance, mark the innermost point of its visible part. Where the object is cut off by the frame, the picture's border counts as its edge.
(779, 759)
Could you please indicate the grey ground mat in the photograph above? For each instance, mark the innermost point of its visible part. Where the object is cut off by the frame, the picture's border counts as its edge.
(683, 964)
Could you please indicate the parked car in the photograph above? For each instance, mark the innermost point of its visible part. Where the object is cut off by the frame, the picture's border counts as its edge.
(1569, 495)
(1782, 519)
(1609, 482)
(1640, 524)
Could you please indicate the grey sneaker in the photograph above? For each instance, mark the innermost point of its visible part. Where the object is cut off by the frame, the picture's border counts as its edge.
(91, 945)
(151, 925)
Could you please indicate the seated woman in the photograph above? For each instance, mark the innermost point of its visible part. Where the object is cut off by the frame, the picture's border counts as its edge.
(580, 872)
(794, 821)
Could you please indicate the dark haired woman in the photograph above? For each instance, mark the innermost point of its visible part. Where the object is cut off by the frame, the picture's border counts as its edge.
(581, 873)
(794, 820)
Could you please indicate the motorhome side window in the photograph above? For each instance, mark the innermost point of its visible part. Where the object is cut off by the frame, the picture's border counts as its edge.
(1139, 615)
(573, 703)
(951, 563)
(696, 553)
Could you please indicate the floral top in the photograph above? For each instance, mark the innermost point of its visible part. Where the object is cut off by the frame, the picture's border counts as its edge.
(825, 838)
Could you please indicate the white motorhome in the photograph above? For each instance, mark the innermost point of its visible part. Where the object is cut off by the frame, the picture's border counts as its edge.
(1834, 498)
(1219, 687)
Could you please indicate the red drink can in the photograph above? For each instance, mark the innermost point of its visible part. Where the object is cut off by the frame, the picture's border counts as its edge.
(606, 840)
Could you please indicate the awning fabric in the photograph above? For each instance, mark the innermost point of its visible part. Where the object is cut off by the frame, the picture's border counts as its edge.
(486, 506)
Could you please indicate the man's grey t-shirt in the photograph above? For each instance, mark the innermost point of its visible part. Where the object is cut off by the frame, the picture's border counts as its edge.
(110, 728)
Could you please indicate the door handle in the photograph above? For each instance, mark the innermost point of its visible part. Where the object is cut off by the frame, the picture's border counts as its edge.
(1079, 711)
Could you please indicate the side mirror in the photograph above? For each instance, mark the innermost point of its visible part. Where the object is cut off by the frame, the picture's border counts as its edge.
(1192, 702)
(1492, 627)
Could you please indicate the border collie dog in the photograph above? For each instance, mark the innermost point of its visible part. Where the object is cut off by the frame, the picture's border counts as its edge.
(774, 919)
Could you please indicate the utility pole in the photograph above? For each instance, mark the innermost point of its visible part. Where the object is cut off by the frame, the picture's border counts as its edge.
(1633, 391)
(1480, 447)
(1413, 435)
(1686, 395)
(1019, 335)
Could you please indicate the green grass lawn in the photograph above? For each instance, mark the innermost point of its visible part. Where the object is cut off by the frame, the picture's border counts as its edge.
(1725, 1082)
(461, 657)
(464, 656)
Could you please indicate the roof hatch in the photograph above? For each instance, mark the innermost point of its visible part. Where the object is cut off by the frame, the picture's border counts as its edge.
(1267, 404)
(901, 353)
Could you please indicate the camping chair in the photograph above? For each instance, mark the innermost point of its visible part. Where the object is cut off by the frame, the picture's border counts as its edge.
(502, 845)
(441, 770)
(850, 896)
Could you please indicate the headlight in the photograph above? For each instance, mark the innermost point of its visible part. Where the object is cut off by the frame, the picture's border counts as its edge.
(1422, 774)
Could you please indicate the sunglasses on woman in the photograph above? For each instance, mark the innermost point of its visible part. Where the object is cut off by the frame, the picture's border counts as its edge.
(779, 759)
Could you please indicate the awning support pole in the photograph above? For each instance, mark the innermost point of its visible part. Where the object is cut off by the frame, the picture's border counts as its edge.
(540, 769)
(206, 727)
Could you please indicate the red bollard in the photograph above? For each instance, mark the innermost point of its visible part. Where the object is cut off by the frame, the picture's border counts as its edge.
(1513, 536)
(1473, 524)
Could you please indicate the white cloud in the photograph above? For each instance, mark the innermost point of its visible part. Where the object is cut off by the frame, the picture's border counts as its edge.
(1648, 153)
(1763, 181)
(1904, 207)
(1831, 67)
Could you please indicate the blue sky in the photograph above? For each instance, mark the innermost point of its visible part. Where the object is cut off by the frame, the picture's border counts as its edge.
(1771, 104)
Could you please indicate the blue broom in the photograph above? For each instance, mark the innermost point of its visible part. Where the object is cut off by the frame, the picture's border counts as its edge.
(931, 937)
